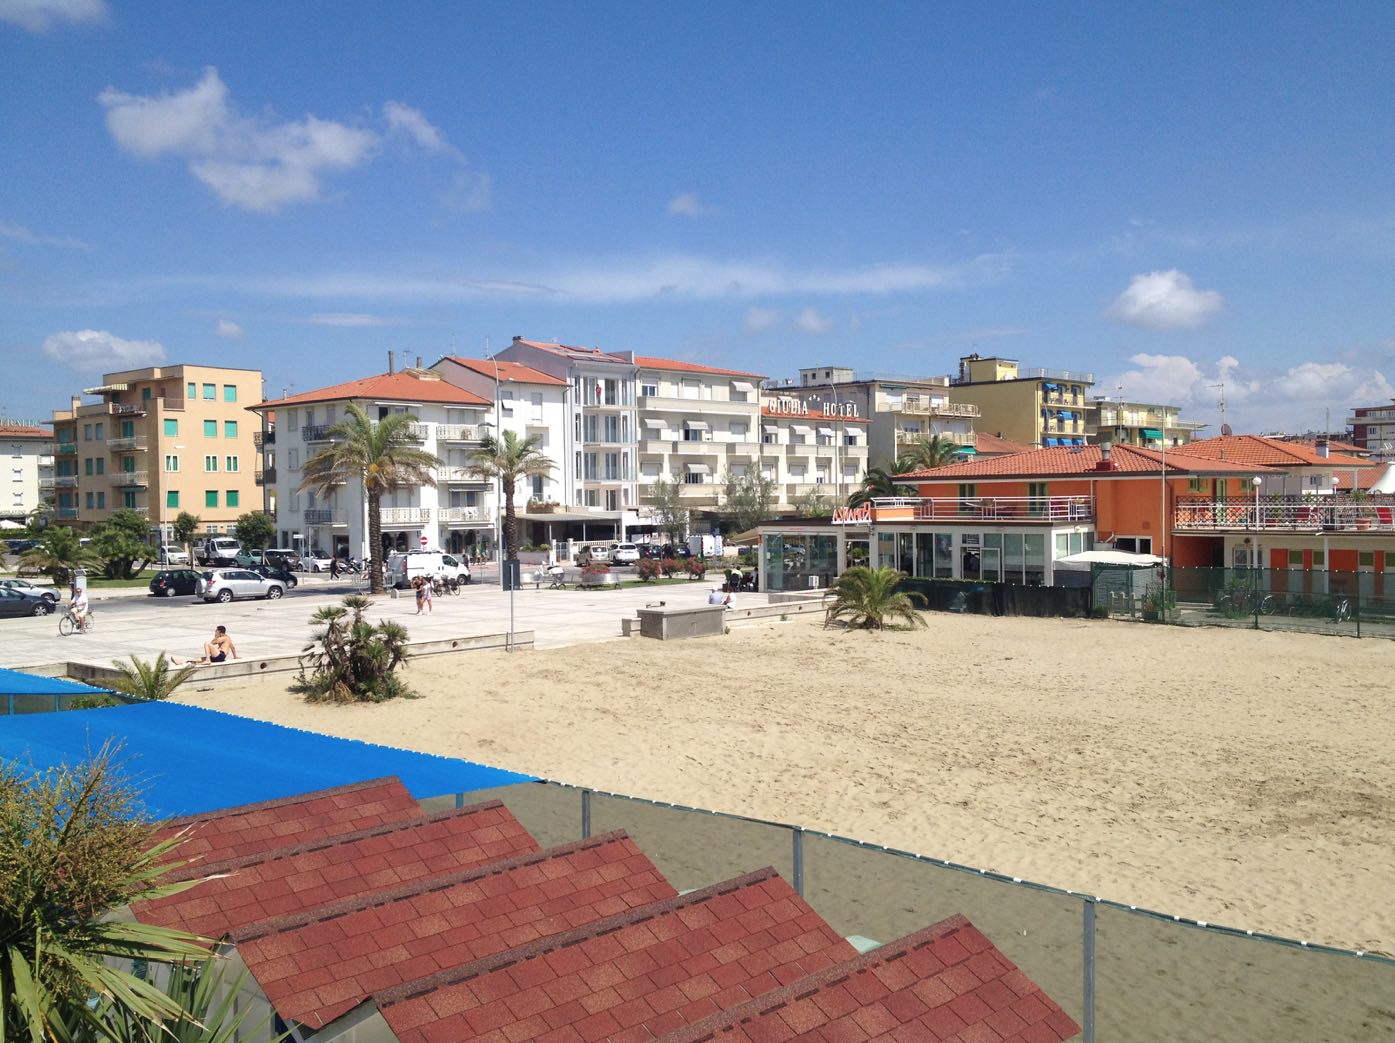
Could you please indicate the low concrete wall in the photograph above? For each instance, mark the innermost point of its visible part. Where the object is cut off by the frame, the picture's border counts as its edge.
(782, 597)
(757, 613)
(242, 669)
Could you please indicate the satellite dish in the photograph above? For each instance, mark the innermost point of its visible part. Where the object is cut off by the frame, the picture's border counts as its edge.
(1225, 430)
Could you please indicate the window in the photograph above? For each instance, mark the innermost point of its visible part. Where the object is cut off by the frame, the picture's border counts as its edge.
(1366, 559)
(171, 463)
(694, 478)
(967, 492)
(210, 429)
(102, 500)
(87, 465)
(293, 459)
(87, 432)
(210, 498)
(1196, 485)
(1036, 498)
(648, 390)
(210, 392)
(101, 465)
(233, 498)
(230, 463)
(193, 390)
(99, 431)
(171, 427)
(229, 392)
(145, 394)
(91, 500)
(229, 428)
(293, 419)
(172, 499)
(128, 500)
(1134, 544)
(1319, 559)
(210, 463)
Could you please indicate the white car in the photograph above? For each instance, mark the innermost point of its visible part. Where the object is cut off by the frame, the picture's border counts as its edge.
(25, 587)
(624, 554)
(314, 561)
(172, 555)
(226, 584)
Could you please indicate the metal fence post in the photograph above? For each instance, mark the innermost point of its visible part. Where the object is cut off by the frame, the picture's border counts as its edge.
(585, 813)
(798, 869)
(1087, 998)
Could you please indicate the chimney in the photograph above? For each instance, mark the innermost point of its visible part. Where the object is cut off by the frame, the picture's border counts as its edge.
(1321, 447)
(76, 403)
(418, 362)
(1105, 464)
(392, 361)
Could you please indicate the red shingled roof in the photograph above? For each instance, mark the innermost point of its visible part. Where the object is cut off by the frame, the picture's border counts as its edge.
(571, 351)
(1271, 452)
(385, 387)
(946, 982)
(1066, 462)
(291, 880)
(25, 431)
(251, 829)
(628, 978)
(508, 372)
(987, 444)
(654, 362)
(323, 963)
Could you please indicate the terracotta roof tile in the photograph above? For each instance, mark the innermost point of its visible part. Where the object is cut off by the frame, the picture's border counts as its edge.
(25, 431)
(253, 828)
(454, 919)
(294, 879)
(654, 362)
(508, 372)
(1066, 461)
(648, 972)
(1271, 452)
(388, 387)
(944, 982)
(987, 444)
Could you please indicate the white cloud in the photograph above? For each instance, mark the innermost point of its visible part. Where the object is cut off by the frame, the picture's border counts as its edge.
(349, 319)
(758, 319)
(469, 193)
(20, 234)
(259, 165)
(229, 330)
(92, 351)
(1165, 301)
(810, 321)
(687, 204)
(40, 15)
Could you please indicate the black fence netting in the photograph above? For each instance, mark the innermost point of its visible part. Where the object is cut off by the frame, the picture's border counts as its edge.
(999, 599)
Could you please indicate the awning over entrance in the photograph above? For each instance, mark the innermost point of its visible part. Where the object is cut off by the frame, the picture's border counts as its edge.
(696, 425)
(699, 469)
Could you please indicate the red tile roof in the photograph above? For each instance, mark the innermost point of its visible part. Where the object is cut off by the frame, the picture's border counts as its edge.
(291, 880)
(25, 431)
(508, 372)
(385, 387)
(1271, 452)
(254, 828)
(628, 978)
(1065, 461)
(944, 982)
(319, 965)
(572, 352)
(995, 445)
(654, 362)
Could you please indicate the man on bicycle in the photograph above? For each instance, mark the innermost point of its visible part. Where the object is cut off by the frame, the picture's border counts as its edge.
(77, 607)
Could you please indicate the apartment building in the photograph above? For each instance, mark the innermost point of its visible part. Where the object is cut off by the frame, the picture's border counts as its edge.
(161, 440)
(457, 514)
(1036, 407)
(1373, 429)
(809, 449)
(1147, 424)
(27, 447)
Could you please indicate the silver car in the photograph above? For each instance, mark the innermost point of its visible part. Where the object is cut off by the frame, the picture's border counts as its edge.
(226, 584)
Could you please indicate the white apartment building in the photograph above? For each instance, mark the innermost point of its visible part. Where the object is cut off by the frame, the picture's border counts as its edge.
(811, 448)
(28, 452)
(457, 514)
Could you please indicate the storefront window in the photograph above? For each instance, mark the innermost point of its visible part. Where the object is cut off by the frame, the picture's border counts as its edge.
(1012, 557)
(905, 552)
(970, 556)
(925, 554)
(944, 555)
(857, 553)
(886, 549)
(795, 561)
(1034, 555)
(991, 567)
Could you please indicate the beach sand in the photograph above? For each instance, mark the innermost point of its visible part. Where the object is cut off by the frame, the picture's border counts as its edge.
(1239, 777)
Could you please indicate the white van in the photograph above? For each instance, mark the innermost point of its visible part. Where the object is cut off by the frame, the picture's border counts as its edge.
(402, 568)
(217, 550)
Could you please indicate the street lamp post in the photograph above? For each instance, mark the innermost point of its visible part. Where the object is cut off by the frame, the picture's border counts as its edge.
(1256, 481)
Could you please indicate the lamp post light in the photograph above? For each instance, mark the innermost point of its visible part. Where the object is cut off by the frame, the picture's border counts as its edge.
(1256, 481)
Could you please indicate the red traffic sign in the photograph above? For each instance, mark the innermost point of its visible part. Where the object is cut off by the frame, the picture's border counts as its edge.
(423, 540)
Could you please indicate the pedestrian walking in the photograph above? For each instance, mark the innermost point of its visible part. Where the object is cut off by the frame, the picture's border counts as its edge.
(420, 587)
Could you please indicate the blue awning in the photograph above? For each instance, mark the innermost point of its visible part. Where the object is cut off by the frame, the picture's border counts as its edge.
(15, 682)
(1152, 433)
(1051, 441)
(966, 450)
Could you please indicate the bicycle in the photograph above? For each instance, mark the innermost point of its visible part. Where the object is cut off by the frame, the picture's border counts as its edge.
(67, 627)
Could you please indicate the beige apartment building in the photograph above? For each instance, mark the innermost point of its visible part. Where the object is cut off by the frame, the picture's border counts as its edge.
(27, 447)
(159, 441)
(1036, 407)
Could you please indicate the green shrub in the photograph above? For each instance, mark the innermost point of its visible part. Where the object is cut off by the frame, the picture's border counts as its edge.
(352, 660)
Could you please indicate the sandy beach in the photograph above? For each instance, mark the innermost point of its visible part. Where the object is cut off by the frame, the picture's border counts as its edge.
(1239, 777)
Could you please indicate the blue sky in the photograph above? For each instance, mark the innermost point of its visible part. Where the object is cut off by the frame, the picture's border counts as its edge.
(1169, 196)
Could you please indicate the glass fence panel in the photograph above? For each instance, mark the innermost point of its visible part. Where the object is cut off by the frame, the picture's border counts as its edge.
(551, 813)
(867, 893)
(37, 703)
(1156, 979)
(695, 848)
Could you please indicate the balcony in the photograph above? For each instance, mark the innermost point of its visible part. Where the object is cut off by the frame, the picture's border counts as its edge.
(916, 437)
(175, 402)
(1066, 375)
(927, 407)
(65, 448)
(696, 406)
(461, 515)
(132, 443)
(316, 432)
(996, 509)
(1286, 514)
(65, 481)
(406, 515)
(45, 461)
(129, 479)
(318, 516)
(460, 432)
(266, 476)
(125, 410)
(46, 484)
(67, 513)
(456, 475)
(261, 438)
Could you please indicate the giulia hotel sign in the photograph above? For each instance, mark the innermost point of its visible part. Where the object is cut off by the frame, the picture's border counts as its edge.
(798, 407)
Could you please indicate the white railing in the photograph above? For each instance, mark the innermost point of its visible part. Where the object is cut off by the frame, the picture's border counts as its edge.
(1286, 514)
(461, 514)
(459, 433)
(986, 508)
(129, 478)
(904, 437)
(457, 474)
(129, 442)
(406, 515)
(931, 408)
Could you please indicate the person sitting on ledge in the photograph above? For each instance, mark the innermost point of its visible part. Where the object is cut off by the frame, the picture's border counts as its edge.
(218, 650)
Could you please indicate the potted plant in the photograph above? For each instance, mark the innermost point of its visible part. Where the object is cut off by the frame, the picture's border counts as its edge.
(597, 574)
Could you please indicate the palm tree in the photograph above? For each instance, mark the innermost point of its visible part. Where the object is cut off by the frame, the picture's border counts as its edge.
(153, 680)
(935, 451)
(876, 483)
(868, 599)
(383, 457)
(60, 552)
(509, 459)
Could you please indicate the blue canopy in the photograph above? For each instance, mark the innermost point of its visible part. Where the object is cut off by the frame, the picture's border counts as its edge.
(188, 760)
(13, 682)
(1051, 441)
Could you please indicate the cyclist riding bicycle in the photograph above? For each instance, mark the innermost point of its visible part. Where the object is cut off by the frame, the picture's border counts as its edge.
(77, 606)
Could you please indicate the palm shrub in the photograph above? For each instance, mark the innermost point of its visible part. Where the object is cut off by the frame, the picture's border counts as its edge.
(60, 552)
(74, 847)
(868, 599)
(209, 998)
(510, 459)
(149, 680)
(352, 660)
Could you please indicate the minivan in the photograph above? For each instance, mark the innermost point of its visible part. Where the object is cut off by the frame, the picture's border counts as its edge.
(624, 554)
(403, 567)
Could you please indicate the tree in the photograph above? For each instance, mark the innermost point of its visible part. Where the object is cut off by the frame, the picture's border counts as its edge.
(934, 451)
(747, 499)
(120, 542)
(74, 847)
(152, 680)
(255, 530)
(58, 554)
(876, 483)
(868, 599)
(382, 457)
(508, 459)
(352, 660)
(185, 525)
(812, 504)
(672, 516)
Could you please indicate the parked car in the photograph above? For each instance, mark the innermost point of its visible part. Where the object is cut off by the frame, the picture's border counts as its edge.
(168, 583)
(18, 603)
(20, 546)
(281, 557)
(172, 555)
(24, 586)
(589, 552)
(226, 584)
(217, 550)
(283, 576)
(624, 554)
(315, 561)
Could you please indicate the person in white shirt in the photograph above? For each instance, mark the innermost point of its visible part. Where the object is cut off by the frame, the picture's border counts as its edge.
(77, 605)
(716, 597)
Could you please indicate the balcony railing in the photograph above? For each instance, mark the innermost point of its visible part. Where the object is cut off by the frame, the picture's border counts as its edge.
(128, 444)
(456, 515)
(46, 483)
(266, 476)
(175, 402)
(928, 407)
(914, 437)
(261, 438)
(1286, 514)
(316, 432)
(65, 448)
(127, 410)
(986, 508)
(129, 479)
(1066, 375)
(406, 515)
(459, 432)
(318, 516)
(65, 481)
(458, 475)
(67, 512)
